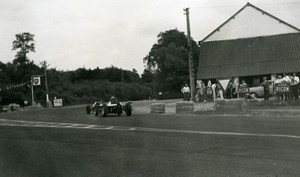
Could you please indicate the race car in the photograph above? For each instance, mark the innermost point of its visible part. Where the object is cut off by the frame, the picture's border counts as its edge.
(113, 106)
(90, 109)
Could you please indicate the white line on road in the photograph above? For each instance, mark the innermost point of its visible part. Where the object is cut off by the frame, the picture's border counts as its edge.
(16, 123)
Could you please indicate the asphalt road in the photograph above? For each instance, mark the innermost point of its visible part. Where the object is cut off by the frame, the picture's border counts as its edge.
(67, 142)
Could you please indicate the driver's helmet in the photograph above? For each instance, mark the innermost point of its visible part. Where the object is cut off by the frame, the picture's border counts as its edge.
(113, 100)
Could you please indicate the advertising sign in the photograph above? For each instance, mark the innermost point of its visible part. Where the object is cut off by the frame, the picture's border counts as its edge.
(282, 88)
(57, 102)
(36, 80)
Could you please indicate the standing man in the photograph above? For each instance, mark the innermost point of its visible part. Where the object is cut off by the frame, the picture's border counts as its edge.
(294, 86)
(198, 95)
(244, 88)
(278, 81)
(286, 79)
(214, 91)
(266, 86)
(186, 93)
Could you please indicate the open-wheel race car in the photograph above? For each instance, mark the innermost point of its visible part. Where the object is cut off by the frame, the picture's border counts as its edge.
(113, 106)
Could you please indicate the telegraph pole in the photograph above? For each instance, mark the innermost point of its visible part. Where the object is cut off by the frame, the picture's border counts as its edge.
(122, 79)
(44, 65)
(190, 55)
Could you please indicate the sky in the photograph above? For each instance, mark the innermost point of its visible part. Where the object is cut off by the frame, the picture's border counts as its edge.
(70, 34)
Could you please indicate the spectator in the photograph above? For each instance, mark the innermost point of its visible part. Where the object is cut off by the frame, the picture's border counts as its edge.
(286, 79)
(244, 86)
(294, 86)
(209, 91)
(214, 90)
(278, 81)
(266, 86)
(219, 91)
(186, 93)
(202, 92)
(198, 85)
(209, 83)
(230, 89)
(235, 88)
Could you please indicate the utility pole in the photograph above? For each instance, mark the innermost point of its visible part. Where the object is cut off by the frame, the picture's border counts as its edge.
(45, 65)
(123, 85)
(190, 55)
(32, 93)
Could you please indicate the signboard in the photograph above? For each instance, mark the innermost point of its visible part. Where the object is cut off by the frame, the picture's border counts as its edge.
(244, 89)
(282, 88)
(57, 102)
(36, 80)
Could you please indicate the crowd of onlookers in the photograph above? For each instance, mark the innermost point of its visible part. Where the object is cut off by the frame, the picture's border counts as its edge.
(212, 91)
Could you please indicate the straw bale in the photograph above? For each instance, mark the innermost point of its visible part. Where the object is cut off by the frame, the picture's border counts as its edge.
(158, 108)
(185, 107)
(231, 105)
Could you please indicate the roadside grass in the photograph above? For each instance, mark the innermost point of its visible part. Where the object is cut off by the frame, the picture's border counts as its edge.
(77, 113)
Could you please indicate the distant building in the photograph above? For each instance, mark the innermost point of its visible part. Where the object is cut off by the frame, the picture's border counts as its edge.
(249, 45)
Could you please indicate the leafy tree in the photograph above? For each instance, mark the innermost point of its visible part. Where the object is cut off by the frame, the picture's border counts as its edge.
(170, 60)
(24, 43)
(147, 76)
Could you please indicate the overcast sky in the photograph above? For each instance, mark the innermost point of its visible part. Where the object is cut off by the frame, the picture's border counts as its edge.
(88, 33)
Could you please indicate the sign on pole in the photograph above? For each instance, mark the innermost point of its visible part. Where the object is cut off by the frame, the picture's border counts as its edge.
(36, 80)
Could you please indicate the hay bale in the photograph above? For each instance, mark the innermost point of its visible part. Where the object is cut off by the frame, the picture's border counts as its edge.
(185, 107)
(231, 105)
(205, 107)
(158, 108)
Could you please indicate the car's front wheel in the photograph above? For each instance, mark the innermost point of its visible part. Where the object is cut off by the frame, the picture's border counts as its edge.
(104, 110)
(119, 109)
(96, 111)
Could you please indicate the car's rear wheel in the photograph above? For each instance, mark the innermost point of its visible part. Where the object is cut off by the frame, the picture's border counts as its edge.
(88, 109)
(128, 109)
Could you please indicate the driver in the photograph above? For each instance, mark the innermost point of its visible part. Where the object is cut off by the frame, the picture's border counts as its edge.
(113, 100)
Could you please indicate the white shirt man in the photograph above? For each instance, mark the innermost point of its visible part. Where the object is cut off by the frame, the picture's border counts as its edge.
(286, 79)
(186, 93)
(186, 89)
(278, 80)
(295, 80)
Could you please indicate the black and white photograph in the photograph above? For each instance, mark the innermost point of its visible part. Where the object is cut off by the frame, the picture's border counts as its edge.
(149, 88)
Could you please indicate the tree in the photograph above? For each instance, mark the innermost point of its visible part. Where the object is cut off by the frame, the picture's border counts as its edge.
(24, 43)
(170, 60)
(147, 76)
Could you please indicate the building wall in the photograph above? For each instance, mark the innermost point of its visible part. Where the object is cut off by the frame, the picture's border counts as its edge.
(250, 22)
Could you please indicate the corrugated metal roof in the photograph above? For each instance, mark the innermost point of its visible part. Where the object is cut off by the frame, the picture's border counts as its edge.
(250, 56)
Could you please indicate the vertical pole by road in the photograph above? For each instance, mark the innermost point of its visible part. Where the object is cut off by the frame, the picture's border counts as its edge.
(44, 65)
(32, 94)
(123, 85)
(190, 55)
